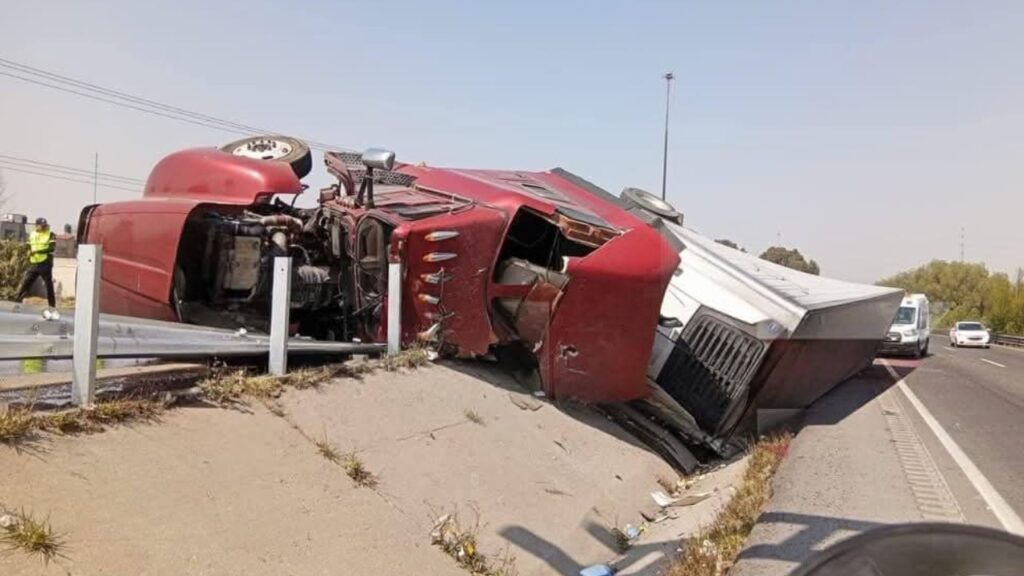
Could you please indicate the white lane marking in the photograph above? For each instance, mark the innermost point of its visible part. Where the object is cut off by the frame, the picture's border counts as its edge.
(993, 363)
(1004, 513)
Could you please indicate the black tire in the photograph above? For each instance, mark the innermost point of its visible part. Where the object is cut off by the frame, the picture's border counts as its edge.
(178, 293)
(298, 156)
(651, 203)
(926, 343)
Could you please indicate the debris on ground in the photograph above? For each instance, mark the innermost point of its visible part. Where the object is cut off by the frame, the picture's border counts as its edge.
(525, 402)
(664, 500)
(460, 543)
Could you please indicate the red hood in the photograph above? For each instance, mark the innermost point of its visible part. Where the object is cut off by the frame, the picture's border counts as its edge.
(209, 175)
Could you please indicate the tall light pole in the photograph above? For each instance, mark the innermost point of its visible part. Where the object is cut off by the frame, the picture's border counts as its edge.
(664, 155)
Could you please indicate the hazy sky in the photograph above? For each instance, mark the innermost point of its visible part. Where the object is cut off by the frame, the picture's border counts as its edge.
(865, 133)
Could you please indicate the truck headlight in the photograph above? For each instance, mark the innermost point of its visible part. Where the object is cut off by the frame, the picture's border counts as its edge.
(910, 333)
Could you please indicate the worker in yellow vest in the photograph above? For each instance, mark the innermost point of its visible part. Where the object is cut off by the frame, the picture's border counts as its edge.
(42, 243)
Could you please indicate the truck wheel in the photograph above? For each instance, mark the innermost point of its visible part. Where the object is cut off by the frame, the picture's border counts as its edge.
(926, 343)
(291, 151)
(651, 203)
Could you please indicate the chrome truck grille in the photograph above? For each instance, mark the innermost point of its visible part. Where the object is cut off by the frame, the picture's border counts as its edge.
(710, 368)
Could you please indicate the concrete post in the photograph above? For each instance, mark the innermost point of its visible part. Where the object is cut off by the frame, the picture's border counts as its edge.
(394, 307)
(87, 324)
(280, 310)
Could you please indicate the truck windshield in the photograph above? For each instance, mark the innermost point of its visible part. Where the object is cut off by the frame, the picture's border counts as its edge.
(969, 326)
(905, 315)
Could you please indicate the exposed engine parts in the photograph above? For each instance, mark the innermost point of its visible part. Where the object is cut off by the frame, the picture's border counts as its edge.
(230, 284)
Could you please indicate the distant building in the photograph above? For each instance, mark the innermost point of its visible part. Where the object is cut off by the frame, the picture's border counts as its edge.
(14, 227)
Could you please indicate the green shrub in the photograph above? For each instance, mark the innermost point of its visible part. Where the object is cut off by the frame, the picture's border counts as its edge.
(13, 262)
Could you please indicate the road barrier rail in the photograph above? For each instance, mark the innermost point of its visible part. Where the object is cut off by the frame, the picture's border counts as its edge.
(1008, 340)
(88, 335)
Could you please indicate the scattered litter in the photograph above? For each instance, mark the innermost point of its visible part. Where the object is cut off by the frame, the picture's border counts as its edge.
(560, 445)
(632, 532)
(525, 402)
(659, 518)
(7, 521)
(890, 411)
(664, 500)
(597, 570)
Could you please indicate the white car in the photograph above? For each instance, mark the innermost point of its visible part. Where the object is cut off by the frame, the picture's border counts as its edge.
(969, 334)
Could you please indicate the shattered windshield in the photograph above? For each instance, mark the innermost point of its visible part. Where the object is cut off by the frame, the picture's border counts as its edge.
(905, 315)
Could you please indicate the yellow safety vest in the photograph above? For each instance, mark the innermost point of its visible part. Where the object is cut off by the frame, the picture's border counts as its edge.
(38, 243)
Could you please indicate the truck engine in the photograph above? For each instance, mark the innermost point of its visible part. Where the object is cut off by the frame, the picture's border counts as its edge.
(230, 283)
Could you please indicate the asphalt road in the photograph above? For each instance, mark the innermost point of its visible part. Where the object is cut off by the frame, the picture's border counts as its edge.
(977, 395)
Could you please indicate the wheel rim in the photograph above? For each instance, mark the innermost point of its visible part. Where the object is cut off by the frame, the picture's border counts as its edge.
(263, 149)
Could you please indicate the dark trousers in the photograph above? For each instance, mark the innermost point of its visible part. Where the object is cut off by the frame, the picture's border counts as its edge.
(44, 271)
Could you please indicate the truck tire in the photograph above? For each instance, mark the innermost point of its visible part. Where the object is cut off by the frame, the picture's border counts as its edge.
(651, 203)
(291, 151)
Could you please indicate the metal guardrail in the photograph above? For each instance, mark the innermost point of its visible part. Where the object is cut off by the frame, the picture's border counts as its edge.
(25, 333)
(1008, 340)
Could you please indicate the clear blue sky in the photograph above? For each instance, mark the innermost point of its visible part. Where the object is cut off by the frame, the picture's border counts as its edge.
(866, 133)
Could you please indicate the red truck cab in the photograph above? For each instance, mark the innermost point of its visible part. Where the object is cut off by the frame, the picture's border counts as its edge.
(541, 261)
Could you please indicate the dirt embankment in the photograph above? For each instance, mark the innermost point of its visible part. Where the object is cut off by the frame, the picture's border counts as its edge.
(253, 490)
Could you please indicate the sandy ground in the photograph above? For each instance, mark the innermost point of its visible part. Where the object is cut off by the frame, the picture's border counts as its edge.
(215, 491)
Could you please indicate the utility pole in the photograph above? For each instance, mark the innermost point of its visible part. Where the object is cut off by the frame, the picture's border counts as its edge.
(95, 175)
(664, 155)
(961, 243)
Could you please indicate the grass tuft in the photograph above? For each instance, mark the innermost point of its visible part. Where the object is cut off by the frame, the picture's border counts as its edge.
(19, 424)
(357, 471)
(405, 360)
(475, 418)
(714, 549)
(460, 543)
(16, 425)
(21, 531)
(327, 450)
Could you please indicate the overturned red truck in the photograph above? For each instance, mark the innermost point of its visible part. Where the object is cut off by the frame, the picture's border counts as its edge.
(545, 264)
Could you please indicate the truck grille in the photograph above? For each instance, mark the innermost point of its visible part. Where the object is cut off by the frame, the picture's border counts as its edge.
(710, 368)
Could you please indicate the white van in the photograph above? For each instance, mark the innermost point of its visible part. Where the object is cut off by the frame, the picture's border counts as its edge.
(911, 329)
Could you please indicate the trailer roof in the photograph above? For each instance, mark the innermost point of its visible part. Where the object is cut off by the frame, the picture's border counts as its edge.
(806, 291)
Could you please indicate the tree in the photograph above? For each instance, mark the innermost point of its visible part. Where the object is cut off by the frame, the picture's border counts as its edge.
(967, 291)
(790, 258)
(730, 244)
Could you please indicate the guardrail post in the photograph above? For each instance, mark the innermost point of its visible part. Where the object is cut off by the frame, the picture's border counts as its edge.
(87, 324)
(394, 307)
(280, 310)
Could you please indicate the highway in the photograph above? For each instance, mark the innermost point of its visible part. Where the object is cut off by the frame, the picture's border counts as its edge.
(977, 396)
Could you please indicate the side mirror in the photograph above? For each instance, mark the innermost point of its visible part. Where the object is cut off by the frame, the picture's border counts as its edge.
(378, 158)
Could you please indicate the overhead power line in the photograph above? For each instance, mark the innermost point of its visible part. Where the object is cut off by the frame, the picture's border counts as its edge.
(36, 164)
(69, 174)
(52, 80)
(56, 177)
